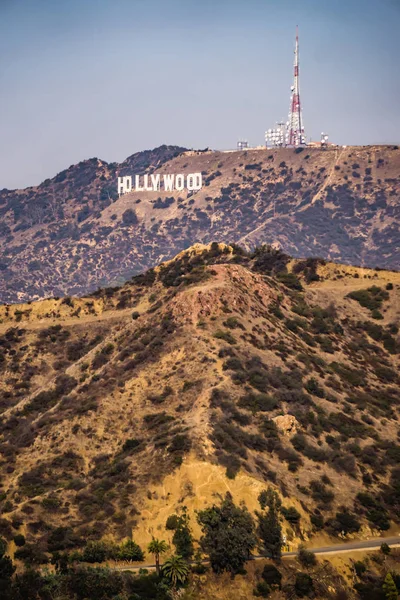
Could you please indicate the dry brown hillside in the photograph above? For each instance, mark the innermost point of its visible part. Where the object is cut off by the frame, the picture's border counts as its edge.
(72, 234)
(216, 371)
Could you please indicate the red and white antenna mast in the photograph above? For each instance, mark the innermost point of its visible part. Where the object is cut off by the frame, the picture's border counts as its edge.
(295, 130)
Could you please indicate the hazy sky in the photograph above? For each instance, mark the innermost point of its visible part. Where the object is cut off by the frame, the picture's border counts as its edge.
(106, 78)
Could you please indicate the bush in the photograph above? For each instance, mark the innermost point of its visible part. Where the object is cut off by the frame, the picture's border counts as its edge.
(320, 493)
(291, 515)
(312, 386)
(371, 298)
(172, 522)
(306, 557)
(272, 576)
(94, 583)
(290, 281)
(317, 521)
(303, 585)
(379, 518)
(262, 590)
(19, 540)
(180, 443)
(233, 323)
(130, 444)
(226, 336)
(269, 260)
(258, 402)
(385, 549)
(31, 554)
(129, 550)
(95, 552)
(129, 217)
(359, 568)
(345, 522)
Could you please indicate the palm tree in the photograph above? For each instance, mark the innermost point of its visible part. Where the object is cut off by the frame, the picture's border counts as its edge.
(157, 547)
(176, 570)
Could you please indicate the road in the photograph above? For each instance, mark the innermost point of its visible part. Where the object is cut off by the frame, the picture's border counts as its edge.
(354, 546)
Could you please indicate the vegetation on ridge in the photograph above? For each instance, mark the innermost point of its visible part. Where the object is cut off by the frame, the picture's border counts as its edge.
(251, 364)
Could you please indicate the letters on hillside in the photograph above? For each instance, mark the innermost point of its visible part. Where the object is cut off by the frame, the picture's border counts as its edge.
(156, 182)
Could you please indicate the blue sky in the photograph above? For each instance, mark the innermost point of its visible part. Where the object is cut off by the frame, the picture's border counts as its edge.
(107, 78)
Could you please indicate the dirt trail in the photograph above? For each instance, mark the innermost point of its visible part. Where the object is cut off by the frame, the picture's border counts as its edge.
(327, 180)
(48, 322)
(296, 209)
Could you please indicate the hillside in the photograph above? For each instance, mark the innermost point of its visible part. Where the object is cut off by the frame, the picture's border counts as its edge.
(72, 234)
(216, 371)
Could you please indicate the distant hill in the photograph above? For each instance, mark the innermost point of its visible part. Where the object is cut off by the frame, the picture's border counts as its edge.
(72, 234)
(218, 370)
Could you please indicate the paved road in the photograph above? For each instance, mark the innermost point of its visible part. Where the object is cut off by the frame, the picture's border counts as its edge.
(335, 549)
(354, 545)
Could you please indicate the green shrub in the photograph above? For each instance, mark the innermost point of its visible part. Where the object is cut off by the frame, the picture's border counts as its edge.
(276, 311)
(269, 260)
(359, 568)
(129, 550)
(345, 522)
(258, 402)
(233, 323)
(376, 314)
(51, 503)
(272, 576)
(353, 376)
(31, 554)
(129, 217)
(172, 522)
(303, 585)
(312, 386)
(19, 540)
(130, 445)
(291, 515)
(306, 557)
(320, 493)
(226, 336)
(180, 443)
(379, 518)
(317, 521)
(262, 590)
(370, 298)
(290, 281)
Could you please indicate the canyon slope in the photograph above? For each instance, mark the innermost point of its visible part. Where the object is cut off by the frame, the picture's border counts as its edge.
(218, 370)
(72, 234)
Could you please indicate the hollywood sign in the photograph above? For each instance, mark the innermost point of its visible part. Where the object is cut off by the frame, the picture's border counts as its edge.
(156, 182)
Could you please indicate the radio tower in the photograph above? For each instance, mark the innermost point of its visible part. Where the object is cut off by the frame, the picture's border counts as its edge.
(295, 130)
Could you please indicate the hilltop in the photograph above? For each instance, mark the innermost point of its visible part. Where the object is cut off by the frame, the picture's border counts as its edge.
(72, 234)
(218, 370)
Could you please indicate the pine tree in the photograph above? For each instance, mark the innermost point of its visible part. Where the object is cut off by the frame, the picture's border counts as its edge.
(389, 587)
(269, 528)
(183, 539)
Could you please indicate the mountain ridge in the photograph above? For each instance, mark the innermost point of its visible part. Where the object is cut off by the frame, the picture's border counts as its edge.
(251, 366)
(73, 234)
